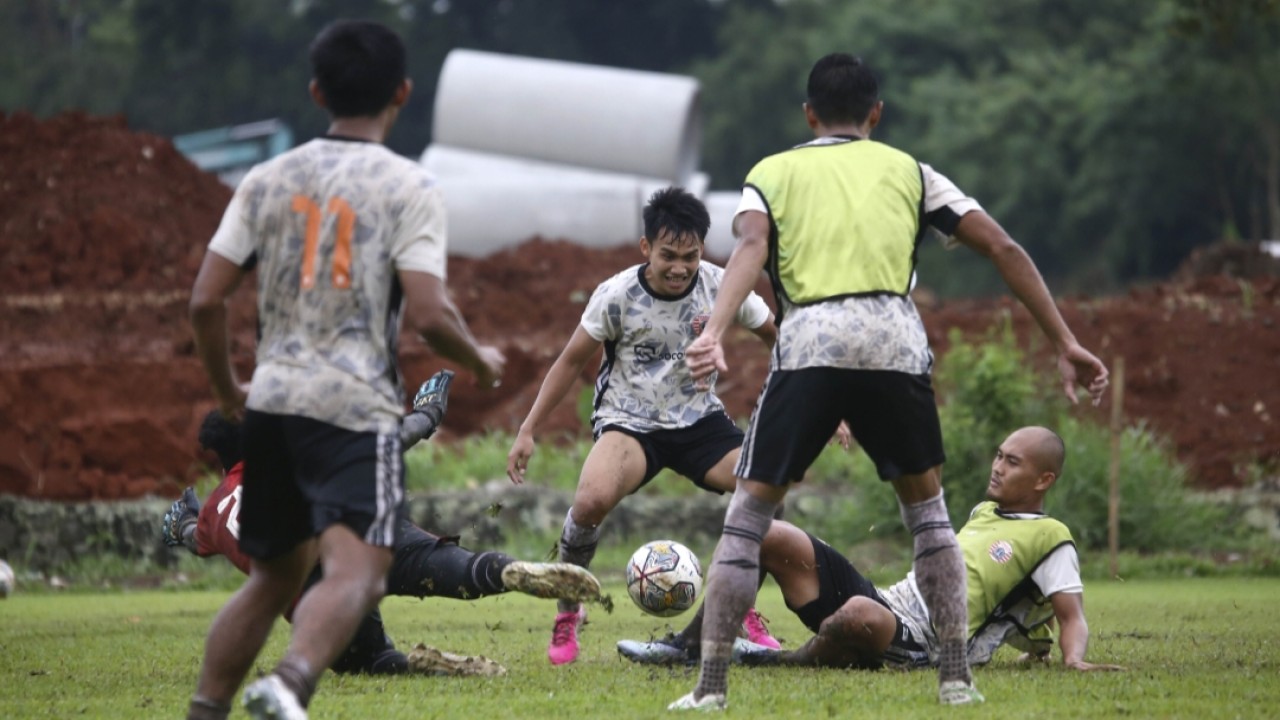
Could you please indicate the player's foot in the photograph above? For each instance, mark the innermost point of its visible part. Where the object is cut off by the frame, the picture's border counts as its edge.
(670, 650)
(958, 692)
(269, 699)
(426, 660)
(389, 662)
(561, 581)
(757, 631)
(564, 637)
(706, 703)
(746, 652)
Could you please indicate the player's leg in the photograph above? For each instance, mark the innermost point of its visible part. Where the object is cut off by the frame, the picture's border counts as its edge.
(241, 627)
(753, 623)
(855, 636)
(616, 466)
(327, 616)
(353, 483)
(426, 565)
(896, 423)
(273, 527)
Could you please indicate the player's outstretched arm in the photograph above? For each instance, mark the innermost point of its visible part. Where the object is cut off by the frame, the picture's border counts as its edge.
(560, 377)
(179, 524)
(429, 407)
(1068, 610)
(982, 234)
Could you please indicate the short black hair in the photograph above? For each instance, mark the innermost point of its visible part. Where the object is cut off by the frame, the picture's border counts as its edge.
(842, 90)
(358, 64)
(222, 437)
(677, 211)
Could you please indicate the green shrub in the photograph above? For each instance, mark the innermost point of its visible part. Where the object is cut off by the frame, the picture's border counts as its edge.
(990, 389)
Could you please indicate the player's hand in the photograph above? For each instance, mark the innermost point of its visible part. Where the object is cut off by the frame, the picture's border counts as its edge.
(1077, 365)
(705, 357)
(434, 393)
(843, 435)
(493, 362)
(185, 510)
(1083, 666)
(518, 458)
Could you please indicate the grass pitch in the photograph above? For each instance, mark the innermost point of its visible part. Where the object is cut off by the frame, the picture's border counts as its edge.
(1194, 649)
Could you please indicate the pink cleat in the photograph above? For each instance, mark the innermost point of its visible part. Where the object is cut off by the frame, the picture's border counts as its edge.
(564, 637)
(758, 632)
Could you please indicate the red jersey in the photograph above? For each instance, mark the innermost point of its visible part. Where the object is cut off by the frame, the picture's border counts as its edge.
(218, 527)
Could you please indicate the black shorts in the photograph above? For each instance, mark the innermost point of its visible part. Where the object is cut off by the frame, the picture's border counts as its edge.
(691, 451)
(302, 476)
(892, 415)
(838, 581)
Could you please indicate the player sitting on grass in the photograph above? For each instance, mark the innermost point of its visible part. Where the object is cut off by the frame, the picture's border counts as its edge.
(424, 565)
(1023, 574)
(648, 412)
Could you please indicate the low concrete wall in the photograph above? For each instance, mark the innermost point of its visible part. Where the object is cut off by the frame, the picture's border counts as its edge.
(40, 536)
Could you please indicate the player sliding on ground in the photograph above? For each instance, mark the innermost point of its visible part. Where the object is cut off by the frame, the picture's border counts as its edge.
(1023, 574)
(648, 413)
(424, 565)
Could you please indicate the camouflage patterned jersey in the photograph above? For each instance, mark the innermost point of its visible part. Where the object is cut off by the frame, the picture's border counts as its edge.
(330, 223)
(880, 332)
(643, 383)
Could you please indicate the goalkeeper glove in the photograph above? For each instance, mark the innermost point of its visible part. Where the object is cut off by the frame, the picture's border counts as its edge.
(182, 515)
(429, 407)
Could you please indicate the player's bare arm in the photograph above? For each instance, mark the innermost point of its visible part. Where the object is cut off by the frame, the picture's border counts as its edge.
(218, 278)
(981, 233)
(706, 354)
(1073, 635)
(560, 377)
(431, 313)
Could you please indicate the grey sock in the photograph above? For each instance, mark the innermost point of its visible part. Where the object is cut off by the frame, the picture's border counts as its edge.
(941, 577)
(577, 546)
(734, 580)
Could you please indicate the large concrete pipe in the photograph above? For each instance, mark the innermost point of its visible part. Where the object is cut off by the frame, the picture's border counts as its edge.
(623, 121)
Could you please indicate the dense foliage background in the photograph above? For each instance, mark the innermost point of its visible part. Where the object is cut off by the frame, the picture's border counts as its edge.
(1111, 138)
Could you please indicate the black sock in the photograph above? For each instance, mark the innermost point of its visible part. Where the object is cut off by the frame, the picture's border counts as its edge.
(439, 567)
(298, 677)
(205, 709)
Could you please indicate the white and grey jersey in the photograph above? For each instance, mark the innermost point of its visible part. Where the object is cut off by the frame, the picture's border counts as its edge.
(330, 223)
(643, 383)
(877, 332)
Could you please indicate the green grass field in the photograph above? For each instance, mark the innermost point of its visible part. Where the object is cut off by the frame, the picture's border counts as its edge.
(1195, 648)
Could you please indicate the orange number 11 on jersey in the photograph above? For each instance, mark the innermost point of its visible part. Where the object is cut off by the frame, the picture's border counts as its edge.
(341, 250)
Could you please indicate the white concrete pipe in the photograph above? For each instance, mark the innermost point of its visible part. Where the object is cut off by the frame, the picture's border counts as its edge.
(623, 121)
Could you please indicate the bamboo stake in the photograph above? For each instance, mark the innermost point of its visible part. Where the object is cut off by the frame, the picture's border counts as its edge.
(1117, 429)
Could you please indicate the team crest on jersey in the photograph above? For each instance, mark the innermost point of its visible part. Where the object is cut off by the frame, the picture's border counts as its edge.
(1001, 551)
(699, 322)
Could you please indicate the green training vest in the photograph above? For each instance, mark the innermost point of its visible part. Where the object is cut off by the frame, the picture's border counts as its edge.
(847, 218)
(1000, 554)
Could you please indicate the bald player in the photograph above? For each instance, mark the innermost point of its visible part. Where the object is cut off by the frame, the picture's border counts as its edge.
(1022, 569)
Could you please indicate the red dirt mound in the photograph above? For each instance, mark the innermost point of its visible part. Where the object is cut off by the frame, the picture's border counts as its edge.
(102, 230)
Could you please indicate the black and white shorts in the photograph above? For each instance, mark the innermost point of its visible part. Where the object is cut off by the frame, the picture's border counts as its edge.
(302, 476)
(893, 416)
(691, 451)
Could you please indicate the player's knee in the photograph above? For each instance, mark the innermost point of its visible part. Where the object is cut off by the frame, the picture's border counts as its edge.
(855, 622)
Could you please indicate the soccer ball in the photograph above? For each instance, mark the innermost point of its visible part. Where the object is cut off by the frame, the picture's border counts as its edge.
(664, 578)
(7, 580)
